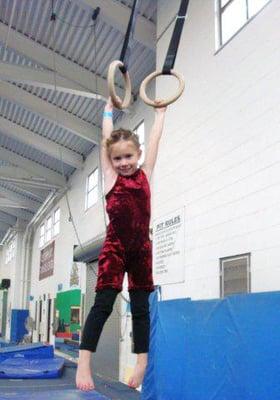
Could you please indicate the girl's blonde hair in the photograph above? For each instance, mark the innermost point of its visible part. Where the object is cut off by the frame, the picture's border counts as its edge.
(122, 134)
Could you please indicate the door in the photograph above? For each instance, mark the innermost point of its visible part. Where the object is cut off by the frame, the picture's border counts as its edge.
(49, 319)
(4, 312)
(40, 319)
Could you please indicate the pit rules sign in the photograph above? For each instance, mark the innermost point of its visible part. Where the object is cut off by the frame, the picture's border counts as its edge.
(168, 248)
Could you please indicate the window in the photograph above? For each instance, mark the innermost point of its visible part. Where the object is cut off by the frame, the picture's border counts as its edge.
(56, 222)
(42, 235)
(10, 250)
(235, 275)
(233, 14)
(140, 131)
(92, 189)
(49, 229)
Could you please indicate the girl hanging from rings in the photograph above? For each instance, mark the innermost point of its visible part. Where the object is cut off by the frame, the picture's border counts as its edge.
(127, 247)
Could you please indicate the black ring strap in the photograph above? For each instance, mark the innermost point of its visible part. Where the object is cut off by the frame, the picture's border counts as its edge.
(126, 50)
(175, 39)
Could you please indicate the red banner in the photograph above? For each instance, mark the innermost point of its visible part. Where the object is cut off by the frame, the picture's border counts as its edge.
(47, 261)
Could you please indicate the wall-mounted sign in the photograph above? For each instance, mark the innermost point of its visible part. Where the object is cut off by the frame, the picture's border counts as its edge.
(168, 248)
(46, 261)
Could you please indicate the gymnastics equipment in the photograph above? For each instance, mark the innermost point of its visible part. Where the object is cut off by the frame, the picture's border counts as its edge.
(169, 62)
(122, 64)
(27, 368)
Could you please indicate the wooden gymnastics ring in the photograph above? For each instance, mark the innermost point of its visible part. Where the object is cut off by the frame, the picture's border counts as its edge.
(169, 100)
(111, 86)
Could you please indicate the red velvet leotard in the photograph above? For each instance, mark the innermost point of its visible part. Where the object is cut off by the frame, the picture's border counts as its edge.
(127, 247)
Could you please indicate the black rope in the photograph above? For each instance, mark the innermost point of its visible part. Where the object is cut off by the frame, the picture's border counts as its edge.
(175, 39)
(126, 50)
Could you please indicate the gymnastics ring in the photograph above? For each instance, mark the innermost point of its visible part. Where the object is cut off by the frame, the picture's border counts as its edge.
(169, 100)
(111, 86)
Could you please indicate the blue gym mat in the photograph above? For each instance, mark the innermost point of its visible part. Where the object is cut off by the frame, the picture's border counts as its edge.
(3, 343)
(64, 388)
(24, 368)
(54, 394)
(33, 350)
(220, 349)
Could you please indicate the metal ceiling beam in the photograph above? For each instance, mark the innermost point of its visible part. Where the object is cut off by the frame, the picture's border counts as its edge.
(19, 199)
(15, 172)
(51, 112)
(7, 218)
(40, 143)
(18, 213)
(117, 15)
(44, 79)
(32, 167)
(4, 226)
(11, 204)
(33, 193)
(64, 67)
(29, 183)
(23, 178)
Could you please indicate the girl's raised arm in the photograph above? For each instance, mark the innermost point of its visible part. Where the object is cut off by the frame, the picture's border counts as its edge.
(155, 135)
(107, 128)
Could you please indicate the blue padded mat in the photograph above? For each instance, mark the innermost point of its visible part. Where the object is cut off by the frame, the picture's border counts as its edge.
(33, 350)
(23, 368)
(3, 343)
(54, 394)
(18, 389)
(221, 349)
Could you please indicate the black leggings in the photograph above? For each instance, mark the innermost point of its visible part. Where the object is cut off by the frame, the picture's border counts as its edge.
(102, 308)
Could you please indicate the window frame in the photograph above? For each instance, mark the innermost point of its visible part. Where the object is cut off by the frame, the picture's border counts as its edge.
(220, 10)
(233, 258)
(87, 206)
(42, 236)
(55, 223)
(10, 250)
(48, 230)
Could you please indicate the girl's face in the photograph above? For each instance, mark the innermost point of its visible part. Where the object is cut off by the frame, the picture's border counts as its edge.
(124, 157)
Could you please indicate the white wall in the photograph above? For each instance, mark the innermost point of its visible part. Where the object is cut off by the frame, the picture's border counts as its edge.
(220, 152)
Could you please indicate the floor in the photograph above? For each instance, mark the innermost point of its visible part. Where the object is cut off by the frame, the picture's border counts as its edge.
(64, 388)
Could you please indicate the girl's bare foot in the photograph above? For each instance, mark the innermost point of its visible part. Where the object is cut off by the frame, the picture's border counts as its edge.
(84, 379)
(139, 371)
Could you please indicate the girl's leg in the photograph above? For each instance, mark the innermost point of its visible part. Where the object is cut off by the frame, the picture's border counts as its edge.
(99, 313)
(141, 333)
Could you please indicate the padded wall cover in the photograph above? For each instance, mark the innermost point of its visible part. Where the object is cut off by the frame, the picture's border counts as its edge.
(225, 349)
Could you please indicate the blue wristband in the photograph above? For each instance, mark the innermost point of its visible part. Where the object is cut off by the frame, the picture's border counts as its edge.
(107, 114)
